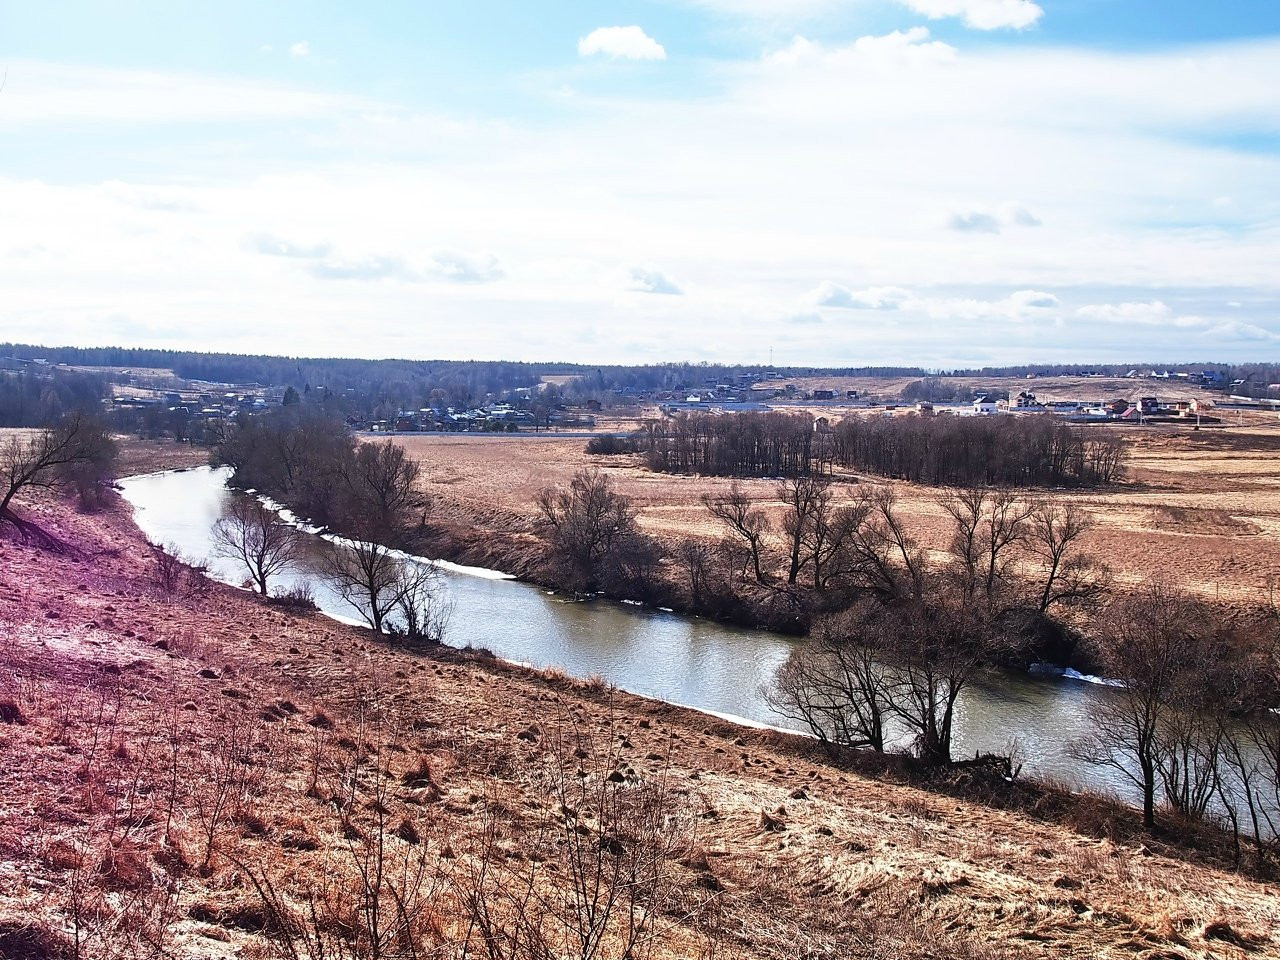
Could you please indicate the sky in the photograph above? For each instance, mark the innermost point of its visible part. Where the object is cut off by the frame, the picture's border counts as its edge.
(938, 183)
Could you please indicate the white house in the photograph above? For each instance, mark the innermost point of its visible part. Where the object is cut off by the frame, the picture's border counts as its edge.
(984, 407)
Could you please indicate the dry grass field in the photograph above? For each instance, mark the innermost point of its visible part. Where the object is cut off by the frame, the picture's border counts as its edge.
(181, 776)
(1197, 508)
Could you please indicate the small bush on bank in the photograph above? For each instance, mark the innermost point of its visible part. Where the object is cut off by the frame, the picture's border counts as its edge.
(299, 597)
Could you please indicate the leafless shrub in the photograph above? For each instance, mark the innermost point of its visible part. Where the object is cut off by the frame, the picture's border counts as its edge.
(299, 598)
(379, 894)
(420, 600)
(591, 875)
(174, 576)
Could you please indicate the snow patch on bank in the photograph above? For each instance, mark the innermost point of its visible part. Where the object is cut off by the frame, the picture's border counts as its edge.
(289, 517)
(1069, 673)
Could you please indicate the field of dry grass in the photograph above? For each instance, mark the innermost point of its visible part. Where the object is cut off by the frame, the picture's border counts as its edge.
(180, 776)
(1197, 508)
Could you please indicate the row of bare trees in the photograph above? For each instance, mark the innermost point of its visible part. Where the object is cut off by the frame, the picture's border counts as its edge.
(733, 444)
(811, 544)
(1006, 550)
(367, 491)
(1191, 722)
(310, 461)
(1021, 451)
(949, 451)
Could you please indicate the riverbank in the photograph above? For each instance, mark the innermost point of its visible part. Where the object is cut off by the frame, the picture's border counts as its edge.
(124, 699)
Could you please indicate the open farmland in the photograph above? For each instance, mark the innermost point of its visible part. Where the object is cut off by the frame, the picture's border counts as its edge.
(1197, 508)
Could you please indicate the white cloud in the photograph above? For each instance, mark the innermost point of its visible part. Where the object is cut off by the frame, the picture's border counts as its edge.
(974, 221)
(48, 95)
(274, 246)
(450, 265)
(650, 279)
(985, 220)
(1148, 313)
(981, 14)
(363, 268)
(803, 318)
(1035, 299)
(1236, 330)
(300, 49)
(828, 294)
(1019, 306)
(466, 268)
(898, 48)
(629, 43)
(1151, 313)
(1016, 214)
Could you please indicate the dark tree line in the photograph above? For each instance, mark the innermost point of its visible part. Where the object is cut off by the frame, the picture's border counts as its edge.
(34, 398)
(300, 456)
(1033, 451)
(310, 461)
(734, 444)
(943, 451)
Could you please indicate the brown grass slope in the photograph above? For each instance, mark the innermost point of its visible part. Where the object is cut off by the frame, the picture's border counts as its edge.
(171, 768)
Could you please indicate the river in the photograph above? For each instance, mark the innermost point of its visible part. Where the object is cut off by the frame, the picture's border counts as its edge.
(683, 660)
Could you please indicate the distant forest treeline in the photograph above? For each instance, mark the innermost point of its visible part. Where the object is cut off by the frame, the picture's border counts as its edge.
(379, 388)
(29, 399)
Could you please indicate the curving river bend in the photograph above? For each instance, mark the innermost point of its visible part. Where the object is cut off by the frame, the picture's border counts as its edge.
(687, 661)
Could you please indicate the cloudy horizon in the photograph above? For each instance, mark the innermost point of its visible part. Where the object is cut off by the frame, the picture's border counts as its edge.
(934, 183)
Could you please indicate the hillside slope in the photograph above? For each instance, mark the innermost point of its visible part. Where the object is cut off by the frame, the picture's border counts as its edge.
(195, 775)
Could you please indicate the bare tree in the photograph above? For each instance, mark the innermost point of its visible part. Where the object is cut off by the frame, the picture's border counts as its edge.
(735, 510)
(1148, 643)
(252, 534)
(46, 460)
(935, 651)
(806, 499)
(877, 553)
(368, 576)
(837, 689)
(586, 521)
(380, 480)
(420, 601)
(828, 539)
(1070, 577)
(990, 527)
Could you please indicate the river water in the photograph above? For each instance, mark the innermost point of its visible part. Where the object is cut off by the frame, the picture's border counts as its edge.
(687, 661)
